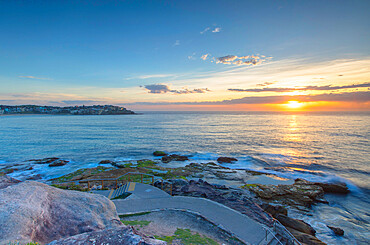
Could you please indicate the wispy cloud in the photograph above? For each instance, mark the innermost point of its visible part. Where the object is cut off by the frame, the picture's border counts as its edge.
(192, 56)
(163, 89)
(33, 77)
(205, 30)
(177, 43)
(215, 30)
(241, 60)
(266, 84)
(321, 88)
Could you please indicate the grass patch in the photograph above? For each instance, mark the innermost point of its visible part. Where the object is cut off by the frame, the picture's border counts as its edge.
(248, 186)
(89, 171)
(141, 223)
(145, 163)
(187, 237)
(133, 215)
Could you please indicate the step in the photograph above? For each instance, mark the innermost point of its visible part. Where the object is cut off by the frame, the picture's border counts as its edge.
(117, 192)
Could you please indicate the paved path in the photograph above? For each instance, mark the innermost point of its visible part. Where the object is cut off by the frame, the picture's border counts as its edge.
(148, 198)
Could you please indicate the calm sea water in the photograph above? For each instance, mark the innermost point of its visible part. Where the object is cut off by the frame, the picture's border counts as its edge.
(319, 147)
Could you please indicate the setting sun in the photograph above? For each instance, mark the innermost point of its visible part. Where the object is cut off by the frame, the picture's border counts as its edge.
(294, 104)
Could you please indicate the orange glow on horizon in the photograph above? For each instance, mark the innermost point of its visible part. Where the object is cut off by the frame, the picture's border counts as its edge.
(294, 104)
(282, 107)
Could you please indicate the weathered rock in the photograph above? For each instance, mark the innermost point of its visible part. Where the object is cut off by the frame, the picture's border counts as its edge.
(226, 159)
(6, 181)
(32, 211)
(106, 162)
(113, 236)
(339, 188)
(274, 210)
(44, 160)
(159, 153)
(174, 157)
(296, 224)
(305, 238)
(337, 231)
(35, 177)
(58, 163)
(301, 193)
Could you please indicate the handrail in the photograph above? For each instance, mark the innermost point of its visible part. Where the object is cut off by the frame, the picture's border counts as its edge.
(273, 235)
(295, 241)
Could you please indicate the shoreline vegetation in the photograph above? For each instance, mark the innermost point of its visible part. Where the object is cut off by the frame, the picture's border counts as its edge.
(68, 110)
(234, 188)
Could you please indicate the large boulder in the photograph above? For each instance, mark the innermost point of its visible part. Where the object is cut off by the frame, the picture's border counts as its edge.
(274, 210)
(112, 236)
(301, 193)
(174, 157)
(159, 153)
(337, 231)
(296, 224)
(58, 163)
(305, 238)
(339, 187)
(32, 211)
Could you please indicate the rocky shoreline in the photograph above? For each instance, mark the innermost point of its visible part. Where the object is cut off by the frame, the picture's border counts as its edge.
(261, 201)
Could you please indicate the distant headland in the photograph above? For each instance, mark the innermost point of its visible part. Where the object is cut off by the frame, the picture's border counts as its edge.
(70, 110)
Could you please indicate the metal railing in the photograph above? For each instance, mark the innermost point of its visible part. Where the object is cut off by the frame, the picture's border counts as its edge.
(280, 229)
(267, 232)
(119, 179)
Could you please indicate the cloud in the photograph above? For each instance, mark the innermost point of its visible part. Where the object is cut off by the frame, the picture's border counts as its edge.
(192, 56)
(340, 97)
(157, 88)
(205, 30)
(205, 56)
(266, 84)
(320, 88)
(163, 88)
(217, 29)
(177, 43)
(241, 60)
(33, 77)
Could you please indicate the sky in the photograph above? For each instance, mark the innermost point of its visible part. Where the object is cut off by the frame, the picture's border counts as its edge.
(187, 55)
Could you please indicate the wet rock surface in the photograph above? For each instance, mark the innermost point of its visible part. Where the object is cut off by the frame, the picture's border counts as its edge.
(337, 231)
(296, 224)
(159, 153)
(174, 157)
(58, 163)
(226, 159)
(6, 181)
(106, 162)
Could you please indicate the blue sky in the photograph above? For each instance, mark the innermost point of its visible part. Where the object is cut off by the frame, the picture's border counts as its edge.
(54, 51)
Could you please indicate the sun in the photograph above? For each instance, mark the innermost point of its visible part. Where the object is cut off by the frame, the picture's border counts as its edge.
(294, 104)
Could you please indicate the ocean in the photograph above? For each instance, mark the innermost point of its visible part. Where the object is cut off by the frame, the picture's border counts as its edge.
(315, 146)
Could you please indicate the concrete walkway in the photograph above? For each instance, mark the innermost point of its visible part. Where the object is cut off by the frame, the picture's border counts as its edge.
(146, 198)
